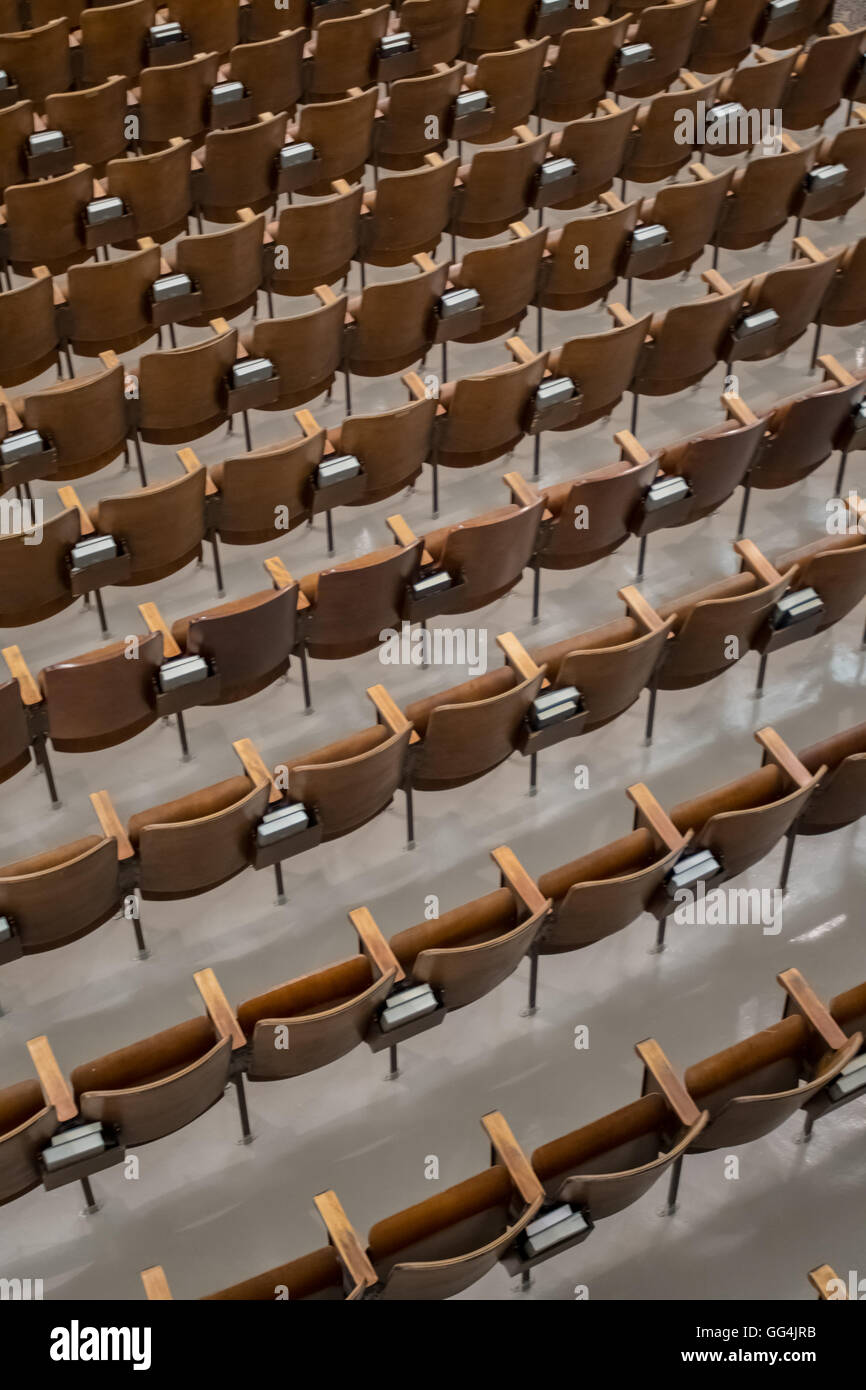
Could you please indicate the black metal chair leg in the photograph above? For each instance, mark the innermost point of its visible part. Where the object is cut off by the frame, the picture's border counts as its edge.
(744, 509)
(40, 749)
(329, 526)
(533, 774)
(661, 928)
(305, 679)
(218, 569)
(393, 1066)
(762, 671)
(840, 476)
(100, 609)
(184, 746)
(143, 952)
(635, 401)
(246, 1132)
(815, 345)
(281, 887)
(808, 1126)
(536, 594)
(248, 434)
(536, 457)
(435, 489)
(136, 438)
(790, 841)
(641, 558)
(533, 985)
(348, 391)
(674, 1186)
(410, 817)
(92, 1206)
(651, 714)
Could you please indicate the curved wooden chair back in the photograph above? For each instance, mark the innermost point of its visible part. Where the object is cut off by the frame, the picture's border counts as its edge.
(408, 213)
(306, 350)
(265, 494)
(795, 291)
(62, 894)
(16, 124)
(761, 197)
(101, 699)
(497, 187)
(726, 34)
(175, 100)
(28, 331)
(603, 365)
(113, 39)
(836, 568)
(93, 120)
(609, 665)
(487, 413)
(657, 152)
(402, 133)
(109, 301)
(198, 842)
(467, 738)
(249, 641)
(670, 30)
(393, 323)
(14, 734)
(711, 621)
(227, 267)
(599, 150)
(181, 391)
(39, 59)
(26, 1125)
(742, 821)
(841, 797)
(760, 88)
(687, 340)
(578, 73)
(610, 497)
(344, 55)
(464, 960)
(342, 134)
(714, 464)
(511, 80)
(820, 77)
(801, 433)
(271, 71)
(498, 24)
(845, 302)
(211, 24)
(691, 212)
(240, 167)
(506, 278)
(46, 220)
(163, 525)
(321, 239)
(156, 188)
(85, 418)
(34, 579)
(392, 446)
(264, 21)
(846, 147)
(354, 601)
(572, 280)
(349, 782)
(489, 553)
(436, 27)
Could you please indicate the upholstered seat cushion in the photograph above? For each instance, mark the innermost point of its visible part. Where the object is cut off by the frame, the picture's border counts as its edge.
(484, 919)
(152, 1059)
(206, 802)
(570, 1154)
(410, 1227)
(310, 994)
(625, 856)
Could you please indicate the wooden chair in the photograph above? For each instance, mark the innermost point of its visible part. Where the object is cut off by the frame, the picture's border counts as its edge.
(239, 168)
(657, 152)
(212, 25)
(808, 18)
(30, 339)
(847, 147)
(841, 797)
(492, 27)
(263, 495)
(848, 1010)
(511, 80)
(339, 1272)
(39, 59)
(311, 1021)
(85, 419)
(404, 132)
(498, 186)
(436, 27)
(181, 392)
(307, 350)
(316, 241)
(408, 213)
(157, 190)
(34, 579)
(583, 259)
(109, 301)
(684, 342)
(444, 1244)
(14, 731)
(762, 196)
(758, 88)
(505, 277)
(690, 213)
(602, 364)
(93, 120)
(174, 101)
(271, 70)
(597, 144)
(264, 21)
(391, 325)
(101, 699)
(670, 30)
(227, 267)
(45, 221)
(28, 1120)
(113, 39)
(341, 133)
(343, 53)
(795, 292)
(16, 125)
(822, 76)
(576, 77)
(726, 34)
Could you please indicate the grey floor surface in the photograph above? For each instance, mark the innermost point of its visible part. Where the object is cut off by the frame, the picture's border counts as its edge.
(213, 1212)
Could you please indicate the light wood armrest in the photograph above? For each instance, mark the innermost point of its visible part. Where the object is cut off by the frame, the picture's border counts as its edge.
(374, 944)
(521, 883)
(109, 360)
(401, 530)
(156, 1285)
(220, 1011)
(524, 134)
(621, 315)
(657, 820)
(633, 450)
(611, 201)
(254, 767)
(391, 713)
(808, 248)
(325, 295)
(112, 826)
(670, 1085)
(717, 282)
(788, 143)
(856, 506)
(835, 371)
(344, 1239)
(13, 420)
(424, 262)
(415, 386)
(519, 230)
(517, 656)
(827, 1284)
(803, 1000)
(860, 113)
(520, 1170)
(220, 326)
(191, 462)
(27, 684)
(434, 160)
(246, 215)
(609, 107)
(520, 350)
(701, 172)
(55, 1087)
(69, 497)
(282, 579)
(784, 757)
(690, 80)
(736, 407)
(521, 490)
(156, 623)
(757, 562)
(41, 272)
(308, 423)
(640, 608)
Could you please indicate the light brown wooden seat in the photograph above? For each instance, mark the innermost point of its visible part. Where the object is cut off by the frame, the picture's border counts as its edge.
(404, 131)
(436, 27)
(578, 69)
(100, 698)
(759, 88)
(392, 447)
(306, 350)
(174, 101)
(470, 430)
(603, 365)
(391, 325)
(85, 419)
(212, 25)
(109, 301)
(27, 1123)
(16, 125)
(318, 240)
(726, 34)
(265, 494)
(343, 53)
(846, 147)
(686, 341)
(762, 195)
(609, 496)
(690, 212)
(162, 526)
(265, 21)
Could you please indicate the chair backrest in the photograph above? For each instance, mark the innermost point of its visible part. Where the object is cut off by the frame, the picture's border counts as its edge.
(761, 197)
(211, 24)
(817, 87)
(795, 291)
(841, 797)
(38, 59)
(849, 1009)
(28, 331)
(598, 149)
(248, 641)
(402, 133)
(265, 21)
(265, 494)
(34, 579)
(349, 782)
(573, 279)
(836, 568)
(93, 120)
(690, 212)
(46, 219)
(313, 1020)
(156, 188)
(658, 150)
(163, 525)
(344, 53)
(320, 238)
(593, 514)
(687, 341)
(61, 894)
(511, 80)
(356, 600)
(341, 133)
(498, 24)
(603, 365)
(498, 187)
(175, 99)
(505, 278)
(846, 147)
(393, 322)
(189, 846)
(156, 1086)
(26, 1125)
(801, 433)
(468, 732)
(409, 213)
(392, 446)
(609, 665)
(670, 30)
(716, 627)
(14, 734)
(85, 418)
(578, 75)
(713, 464)
(436, 27)
(110, 301)
(726, 33)
(270, 70)
(113, 39)
(487, 412)
(227, 266)
(316, 1277)
(306, 350)
(240, 167)
(490, 553)
(16, 124)
(181, 390)
(101, 699)
(759, 88)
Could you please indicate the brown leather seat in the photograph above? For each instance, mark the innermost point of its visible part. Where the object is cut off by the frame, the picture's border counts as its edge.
(197, 842)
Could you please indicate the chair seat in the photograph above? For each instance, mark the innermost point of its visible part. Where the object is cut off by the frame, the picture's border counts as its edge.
(207, 802)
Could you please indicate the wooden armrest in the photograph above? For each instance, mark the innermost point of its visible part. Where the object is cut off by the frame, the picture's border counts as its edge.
(701, 173)
(717, 282)
(611, 201)
(836, 372)
(521, 490)
(424, 262)
(640, 608)
(520, 1170)
(808, 248)
(524, 134)
(620, 314)
(391, 713)
(837, 29)
(658, 822)
(69, 497)
(519, 230)
(521, 883)
(803, 999)
(757, 562)
(401, 530)
(788, 143)
(670, 1085)
(280, 575)
(374, 944)
(156, 1284)
(736, 407)
(415, 386)
(112, 826)
(246, 215)
(109, 360)
(191, 462)
(325, 295)
(517, 656)
(690, 80)
(434, 160)
(631, 448)
(41, 272)
(254, 767)
(220, 326)
(856, 506)
(520, 351)
(13, 419)
(344, 1239)
(220, 1011)
(827, 1284)
(156, 623)
(784, 757)
(308, 423)
(27, 684)
(610, 108)
(860, 113)
(55, 1087)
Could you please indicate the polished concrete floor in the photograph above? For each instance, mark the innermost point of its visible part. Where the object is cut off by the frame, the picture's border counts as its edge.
(213, 1212)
